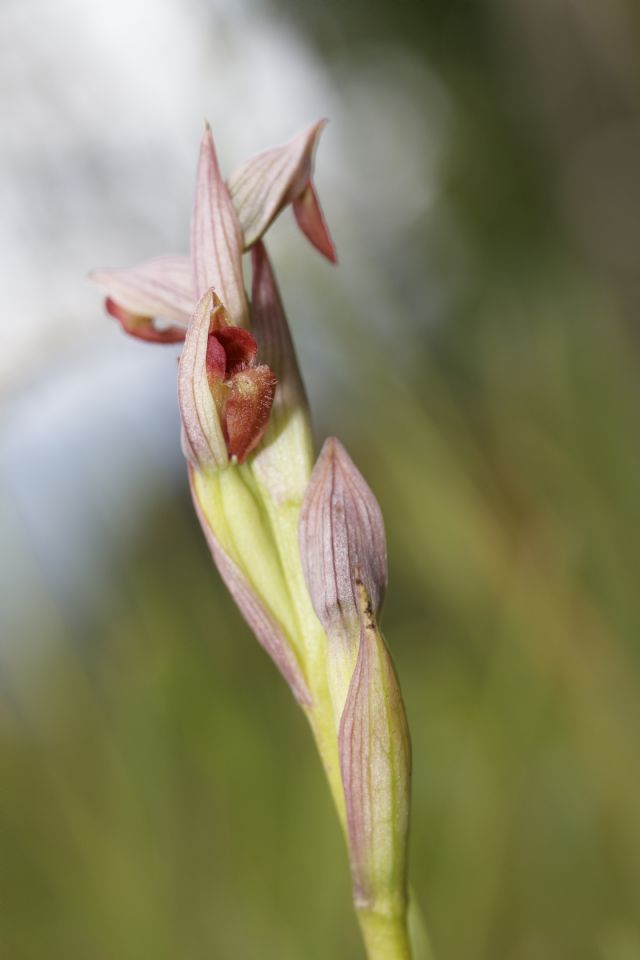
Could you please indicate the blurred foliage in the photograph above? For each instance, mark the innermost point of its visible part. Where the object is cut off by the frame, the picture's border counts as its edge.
(160, 796)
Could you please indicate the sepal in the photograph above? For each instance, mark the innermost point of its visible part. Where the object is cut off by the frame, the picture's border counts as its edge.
(161, 287)
(310, 219)
(284, 461)
(216, 236)
(265, 184)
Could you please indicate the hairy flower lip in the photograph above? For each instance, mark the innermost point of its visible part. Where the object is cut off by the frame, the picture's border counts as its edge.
(246, 413)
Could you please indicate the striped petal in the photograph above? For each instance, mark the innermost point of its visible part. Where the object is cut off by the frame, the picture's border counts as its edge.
(266, 183)
(202, 437)
(375, 764)
(216, 237)
(311, 221)
(161, 287)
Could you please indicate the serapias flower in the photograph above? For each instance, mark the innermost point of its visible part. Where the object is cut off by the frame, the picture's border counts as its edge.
(225, 393)
(168, 287)
(225, 397)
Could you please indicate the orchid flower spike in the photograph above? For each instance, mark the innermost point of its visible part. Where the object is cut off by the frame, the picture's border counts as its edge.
(301, 548)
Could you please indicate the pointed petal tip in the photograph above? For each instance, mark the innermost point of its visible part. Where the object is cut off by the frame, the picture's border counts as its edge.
(310, 219)
(207, 145)
(207, 135)
(319, 126)
(313, 131)
(334, 452)
(325, 247)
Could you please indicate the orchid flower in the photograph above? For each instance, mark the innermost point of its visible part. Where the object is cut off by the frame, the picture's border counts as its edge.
(168, 287)
(300, 547)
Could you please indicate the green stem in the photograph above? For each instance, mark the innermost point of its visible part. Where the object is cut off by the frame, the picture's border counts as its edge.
(386, 938)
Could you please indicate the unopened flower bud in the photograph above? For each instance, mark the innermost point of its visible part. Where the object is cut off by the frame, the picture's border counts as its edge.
(341, 529)
(375, 763)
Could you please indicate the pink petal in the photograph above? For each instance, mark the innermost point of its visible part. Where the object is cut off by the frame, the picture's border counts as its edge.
(266, 183)
(247, 409)
(162, 287)
(143, 327)
(266, 629)
(375, 764)
(203, 440)
(310, 218)
(216, 237)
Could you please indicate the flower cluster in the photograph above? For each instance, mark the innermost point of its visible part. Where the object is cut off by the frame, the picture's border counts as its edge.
(300, 545)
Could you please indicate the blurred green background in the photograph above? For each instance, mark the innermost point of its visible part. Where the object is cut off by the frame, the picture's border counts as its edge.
(477, 352)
